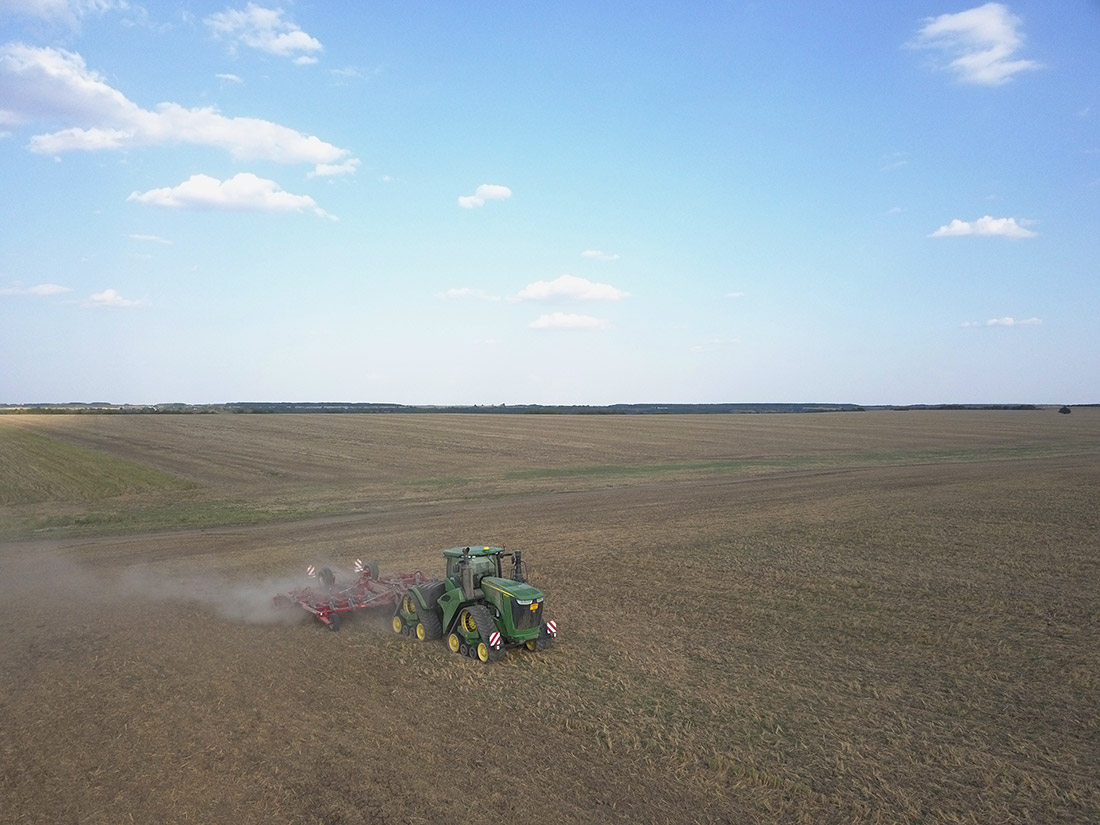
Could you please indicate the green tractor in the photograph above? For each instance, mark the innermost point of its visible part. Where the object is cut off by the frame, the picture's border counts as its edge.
(479, 611)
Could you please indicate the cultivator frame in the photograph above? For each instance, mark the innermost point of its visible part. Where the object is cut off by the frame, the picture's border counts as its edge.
(369, 591)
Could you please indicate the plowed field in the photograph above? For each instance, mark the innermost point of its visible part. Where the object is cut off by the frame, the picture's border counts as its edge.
(825, 618)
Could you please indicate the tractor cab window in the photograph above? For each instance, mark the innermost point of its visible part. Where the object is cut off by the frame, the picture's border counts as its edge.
(480, 565)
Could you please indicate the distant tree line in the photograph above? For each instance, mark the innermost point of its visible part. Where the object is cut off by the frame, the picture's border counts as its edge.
(332, 407)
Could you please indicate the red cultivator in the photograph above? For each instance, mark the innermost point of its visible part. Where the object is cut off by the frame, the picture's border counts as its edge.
(368, 591)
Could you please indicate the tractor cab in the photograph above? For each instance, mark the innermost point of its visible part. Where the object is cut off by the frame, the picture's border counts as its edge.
(482, 561)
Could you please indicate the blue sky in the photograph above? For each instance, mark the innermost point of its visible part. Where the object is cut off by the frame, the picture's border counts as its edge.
(558, 203)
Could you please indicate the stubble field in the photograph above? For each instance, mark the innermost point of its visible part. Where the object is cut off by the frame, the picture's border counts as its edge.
(854, 617)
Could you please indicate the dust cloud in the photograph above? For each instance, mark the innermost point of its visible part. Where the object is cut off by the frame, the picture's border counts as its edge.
(49, 576)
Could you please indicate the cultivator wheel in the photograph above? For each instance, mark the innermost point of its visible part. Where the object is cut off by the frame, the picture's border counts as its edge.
(370, 568)
(334, 622)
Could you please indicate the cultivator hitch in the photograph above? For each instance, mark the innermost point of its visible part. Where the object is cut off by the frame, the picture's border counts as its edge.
(369, 591)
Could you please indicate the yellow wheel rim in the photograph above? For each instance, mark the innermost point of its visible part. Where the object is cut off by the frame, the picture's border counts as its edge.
(468, 623)
(396, 624)
(408, 605)
(420, 632)
(453, 642)
(483, 651)
(531, 645)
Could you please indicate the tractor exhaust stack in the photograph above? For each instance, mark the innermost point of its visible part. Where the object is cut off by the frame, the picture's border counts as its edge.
(467, 575)
(519, 572)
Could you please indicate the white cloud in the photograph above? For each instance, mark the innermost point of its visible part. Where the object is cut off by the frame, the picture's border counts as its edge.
(243, 191)
(64, 11)
(979, 43)
(987, 225)
(55, 85)
(570, 287)
(563, 320)
(735, 294)
(485, 192)
(110, 298)
(329, 170)
(149, 238)
(466, 292)
(39, 290)
(265, 30)
(597, 255)
(229, 78)
(1007, 321)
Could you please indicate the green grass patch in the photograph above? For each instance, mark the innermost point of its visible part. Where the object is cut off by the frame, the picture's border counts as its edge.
(36, 469)
(627, 470)
(853, 460)
(148, 518)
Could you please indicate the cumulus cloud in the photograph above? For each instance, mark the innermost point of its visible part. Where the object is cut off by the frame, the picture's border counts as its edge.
(243, 191)
(598, 255)
(564, 320)
(987, 225)
(266, 30)
(54, 85)
(570, 287)
(1007, 321)
(111, 298)
(484, 193)
(978, 43)
(39, 290)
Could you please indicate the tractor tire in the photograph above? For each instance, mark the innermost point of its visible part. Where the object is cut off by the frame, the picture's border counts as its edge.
(371, 567)
(477, 617)
(430, 626)
(544, 641)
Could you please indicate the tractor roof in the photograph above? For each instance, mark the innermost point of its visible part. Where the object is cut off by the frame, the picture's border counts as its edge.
(456, 552)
